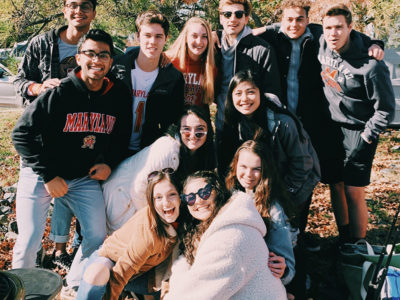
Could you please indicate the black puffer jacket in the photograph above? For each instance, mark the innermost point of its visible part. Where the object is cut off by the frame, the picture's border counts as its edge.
(41, 62)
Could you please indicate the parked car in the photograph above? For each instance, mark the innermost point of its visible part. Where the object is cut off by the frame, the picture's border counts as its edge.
(392, 60)
(8, 96)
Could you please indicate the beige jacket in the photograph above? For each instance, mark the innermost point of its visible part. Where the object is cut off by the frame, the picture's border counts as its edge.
(135, 248)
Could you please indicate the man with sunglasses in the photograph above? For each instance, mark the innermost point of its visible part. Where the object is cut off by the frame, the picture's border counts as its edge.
(50, 56)
(69, 139)
(48, 59)
(240, 50)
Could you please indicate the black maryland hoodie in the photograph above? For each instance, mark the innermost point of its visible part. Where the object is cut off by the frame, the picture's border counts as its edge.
(68, 129)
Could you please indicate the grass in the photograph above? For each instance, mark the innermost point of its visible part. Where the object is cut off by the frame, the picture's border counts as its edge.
(9, 159)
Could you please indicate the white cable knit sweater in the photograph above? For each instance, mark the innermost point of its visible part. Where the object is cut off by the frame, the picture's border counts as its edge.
(231, 259)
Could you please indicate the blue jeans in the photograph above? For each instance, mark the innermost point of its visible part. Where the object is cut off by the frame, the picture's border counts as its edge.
(84, 198)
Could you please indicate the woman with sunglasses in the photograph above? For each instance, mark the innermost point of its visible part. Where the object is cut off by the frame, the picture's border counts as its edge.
(191, 55)
(225, 256)
(145, 241)
(185, 148)
(253, 171)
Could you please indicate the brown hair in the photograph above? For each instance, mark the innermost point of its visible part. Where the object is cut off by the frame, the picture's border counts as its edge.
(246, 4)
(179, 49)
(338, 10)
(152, 17)
(304, 4)
(158, 223)
(195, 229)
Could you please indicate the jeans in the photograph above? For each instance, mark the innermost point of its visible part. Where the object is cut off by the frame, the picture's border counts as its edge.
(84, 198)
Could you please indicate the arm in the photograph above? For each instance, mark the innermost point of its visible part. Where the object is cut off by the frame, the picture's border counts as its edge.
(299, 161)
(139, 249)
(27, 136)
(380, 91)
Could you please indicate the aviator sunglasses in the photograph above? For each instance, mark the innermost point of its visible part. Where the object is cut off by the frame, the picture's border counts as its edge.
(204, 193)
(155, 173)
(227, 14)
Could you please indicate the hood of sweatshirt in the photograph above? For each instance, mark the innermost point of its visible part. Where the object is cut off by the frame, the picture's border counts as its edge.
(239, 210)
(76, 77)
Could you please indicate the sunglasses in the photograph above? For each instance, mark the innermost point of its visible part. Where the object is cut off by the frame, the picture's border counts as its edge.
(155, 173)
(197, 134)
(204, 193)
(227, 14)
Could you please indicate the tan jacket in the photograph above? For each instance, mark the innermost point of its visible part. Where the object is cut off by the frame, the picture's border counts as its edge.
(135, 248)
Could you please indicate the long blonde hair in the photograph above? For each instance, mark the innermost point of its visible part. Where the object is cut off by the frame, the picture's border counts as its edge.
(179, 50)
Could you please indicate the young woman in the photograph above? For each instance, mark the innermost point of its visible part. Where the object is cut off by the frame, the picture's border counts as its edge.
(142, 243)
(253, 170)
(225, 256)
(186, 148)
(192, 53)
(250, 116)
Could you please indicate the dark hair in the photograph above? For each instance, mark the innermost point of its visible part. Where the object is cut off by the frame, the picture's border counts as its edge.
(246, 5)
(304, 4)
(159, 225)
(259, 117)
(204, 157)
(94, 3)
(270, 187)
(194, 229)
(152, 17)
(97, 35)
(338, 10)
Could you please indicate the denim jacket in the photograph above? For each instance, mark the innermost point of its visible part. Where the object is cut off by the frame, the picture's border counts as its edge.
(281, 238)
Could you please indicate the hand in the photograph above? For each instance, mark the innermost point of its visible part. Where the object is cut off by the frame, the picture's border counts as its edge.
(100, 172)
(57, 187)
(365, 138)
(376, 52)
(258, 31)
(164, 60)
(276, 264)
(49, 84)
(215, 39)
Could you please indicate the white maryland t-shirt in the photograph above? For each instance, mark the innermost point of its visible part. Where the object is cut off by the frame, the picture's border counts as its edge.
(141, 84)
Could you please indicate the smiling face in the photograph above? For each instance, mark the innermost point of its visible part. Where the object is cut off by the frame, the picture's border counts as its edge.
(336, 32)
(166, 201)
(233, 25)
(192, 125)
(248, 170)
(202, 209)
(246, 98)
(79, 17)
(152, 39)
(294, 22)
(93, 70)
(197, 40)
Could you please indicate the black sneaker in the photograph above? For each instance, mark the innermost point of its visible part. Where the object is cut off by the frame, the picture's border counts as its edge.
(39, 258)
(63, 261)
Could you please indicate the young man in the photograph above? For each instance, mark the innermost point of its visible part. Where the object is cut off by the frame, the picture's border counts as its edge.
(240, 50)
(296, 43)
(157, 92)
(48, 58)
(69, 138)
(51, 55)
(361, 101)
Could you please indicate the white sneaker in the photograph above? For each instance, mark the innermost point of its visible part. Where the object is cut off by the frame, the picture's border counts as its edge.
(68, 293)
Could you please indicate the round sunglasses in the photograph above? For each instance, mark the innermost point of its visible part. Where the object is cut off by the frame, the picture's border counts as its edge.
(204, 193)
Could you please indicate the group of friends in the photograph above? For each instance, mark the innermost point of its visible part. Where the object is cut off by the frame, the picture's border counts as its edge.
(162, 201)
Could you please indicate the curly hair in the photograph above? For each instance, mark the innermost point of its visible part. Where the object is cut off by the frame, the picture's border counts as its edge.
(193, 229)
(304, 4)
